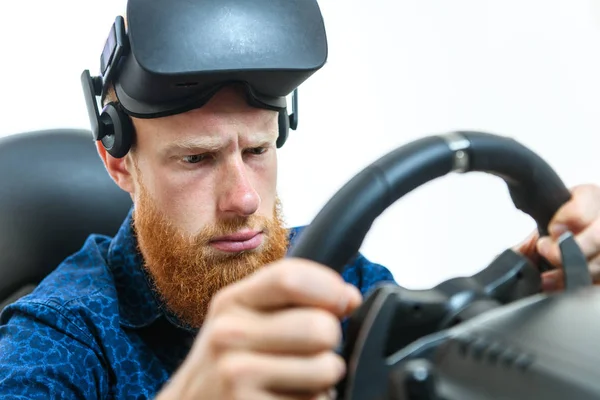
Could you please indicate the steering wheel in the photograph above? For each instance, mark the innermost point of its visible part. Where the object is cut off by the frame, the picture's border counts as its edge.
(392, 317)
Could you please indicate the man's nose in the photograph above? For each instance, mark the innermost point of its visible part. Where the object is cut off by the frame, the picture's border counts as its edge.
(237, 194)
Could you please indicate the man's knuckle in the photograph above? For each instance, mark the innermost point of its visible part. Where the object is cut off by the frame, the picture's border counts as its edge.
(325, 329)
(287, 281)
(594, 269)
(238, 392)
(594, 233)
(233, 371)
(580, 214)
(328, 369)
(225, 331)
(220, 301)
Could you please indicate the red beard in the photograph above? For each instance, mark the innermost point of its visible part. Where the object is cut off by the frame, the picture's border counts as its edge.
(186, 271)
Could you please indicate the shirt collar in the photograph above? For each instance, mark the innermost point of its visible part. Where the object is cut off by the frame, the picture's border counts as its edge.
(139, 304)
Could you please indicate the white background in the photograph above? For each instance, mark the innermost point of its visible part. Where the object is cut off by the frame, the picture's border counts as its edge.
(397, 70)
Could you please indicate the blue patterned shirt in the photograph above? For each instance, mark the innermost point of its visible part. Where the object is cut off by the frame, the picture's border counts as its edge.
(93, 329)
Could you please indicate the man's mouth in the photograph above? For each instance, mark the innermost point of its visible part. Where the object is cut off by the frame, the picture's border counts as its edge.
(240, 241)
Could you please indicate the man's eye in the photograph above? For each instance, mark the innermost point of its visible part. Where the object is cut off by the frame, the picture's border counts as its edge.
(194, 159)
(257, 150)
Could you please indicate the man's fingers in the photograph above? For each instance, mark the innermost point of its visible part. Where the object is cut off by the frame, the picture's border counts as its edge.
(260, 395)
(548, 248)
(279, 374)
(554, 280)
(292, 282)
(528, 246)
(594, 267)
(329, 395)
(588, 241)
(295, 331)
(578, 213)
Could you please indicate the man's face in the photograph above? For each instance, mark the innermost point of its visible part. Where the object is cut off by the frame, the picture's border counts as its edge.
(206, 207)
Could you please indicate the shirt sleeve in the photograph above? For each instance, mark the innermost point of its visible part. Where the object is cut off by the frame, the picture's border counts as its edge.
(44, 354)
(366, 275)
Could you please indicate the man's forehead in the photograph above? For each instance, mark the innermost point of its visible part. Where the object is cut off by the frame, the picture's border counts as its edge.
(217, 141)
(225, 115)
(209, 121)
(209, 118)
(211, 130)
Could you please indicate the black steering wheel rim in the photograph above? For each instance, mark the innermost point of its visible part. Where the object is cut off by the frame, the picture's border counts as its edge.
(392, 317)
(336, 234)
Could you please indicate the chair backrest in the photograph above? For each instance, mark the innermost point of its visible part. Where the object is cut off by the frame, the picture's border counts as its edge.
(54, 192)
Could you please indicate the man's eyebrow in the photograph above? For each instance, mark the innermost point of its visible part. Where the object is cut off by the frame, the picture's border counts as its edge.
(196, 143)
(213, 144)
(261, 138)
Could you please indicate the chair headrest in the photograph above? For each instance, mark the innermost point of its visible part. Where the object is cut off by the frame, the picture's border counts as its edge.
(54, 192)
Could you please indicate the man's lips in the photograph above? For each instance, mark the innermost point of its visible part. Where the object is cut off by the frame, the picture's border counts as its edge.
(239, 241)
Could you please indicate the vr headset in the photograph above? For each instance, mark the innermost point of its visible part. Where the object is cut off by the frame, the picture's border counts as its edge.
(174, 55)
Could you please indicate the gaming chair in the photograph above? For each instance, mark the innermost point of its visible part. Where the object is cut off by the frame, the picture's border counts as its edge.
(54, 192)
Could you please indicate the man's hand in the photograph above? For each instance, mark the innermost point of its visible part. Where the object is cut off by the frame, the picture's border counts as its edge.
(581, 216)
(270, 336)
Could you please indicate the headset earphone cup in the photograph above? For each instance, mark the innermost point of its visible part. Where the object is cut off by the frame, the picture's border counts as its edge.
(284, 128)
(118, 142)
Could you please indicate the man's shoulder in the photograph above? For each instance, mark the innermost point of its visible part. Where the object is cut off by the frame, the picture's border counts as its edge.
(67, 335)
(360, 271)
(80, 279)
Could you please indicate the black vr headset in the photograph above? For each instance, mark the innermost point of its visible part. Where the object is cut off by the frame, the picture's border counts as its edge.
(175, 55)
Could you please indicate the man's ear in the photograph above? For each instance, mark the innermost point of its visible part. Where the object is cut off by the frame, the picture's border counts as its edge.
(117, 168)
